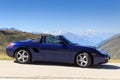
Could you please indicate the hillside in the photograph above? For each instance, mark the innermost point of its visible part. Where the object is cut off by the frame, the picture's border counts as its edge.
(7, 36)
(112, 46)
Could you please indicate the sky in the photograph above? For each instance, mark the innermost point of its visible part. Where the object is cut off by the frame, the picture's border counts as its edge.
(61, 15)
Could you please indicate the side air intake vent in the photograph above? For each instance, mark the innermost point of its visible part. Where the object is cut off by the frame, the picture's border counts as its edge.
(35, 50)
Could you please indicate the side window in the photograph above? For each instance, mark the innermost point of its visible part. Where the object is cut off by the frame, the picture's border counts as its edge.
(52, 39)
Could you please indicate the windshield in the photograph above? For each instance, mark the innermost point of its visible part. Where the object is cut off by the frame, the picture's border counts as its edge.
(67, 41)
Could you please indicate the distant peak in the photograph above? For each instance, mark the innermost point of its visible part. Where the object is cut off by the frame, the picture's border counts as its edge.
(12, 28)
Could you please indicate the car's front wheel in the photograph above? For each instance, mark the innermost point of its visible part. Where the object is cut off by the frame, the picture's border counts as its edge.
(23, 56)
(83, 60)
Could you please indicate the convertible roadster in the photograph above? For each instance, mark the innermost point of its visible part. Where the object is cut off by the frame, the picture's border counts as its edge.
(56, 49)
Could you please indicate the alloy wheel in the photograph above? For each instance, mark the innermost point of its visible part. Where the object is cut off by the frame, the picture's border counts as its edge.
(22, 56)
(83, 60)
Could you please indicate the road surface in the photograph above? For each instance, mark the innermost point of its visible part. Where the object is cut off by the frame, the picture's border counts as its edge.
(55, 71)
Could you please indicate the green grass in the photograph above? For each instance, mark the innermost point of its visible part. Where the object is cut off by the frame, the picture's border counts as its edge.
(117, 60)
(5, 57)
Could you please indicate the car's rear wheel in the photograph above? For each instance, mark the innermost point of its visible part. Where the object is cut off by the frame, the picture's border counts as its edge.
(83, 60)
(23, 56)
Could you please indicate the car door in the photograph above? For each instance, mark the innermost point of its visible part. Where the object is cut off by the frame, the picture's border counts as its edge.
(53, 50)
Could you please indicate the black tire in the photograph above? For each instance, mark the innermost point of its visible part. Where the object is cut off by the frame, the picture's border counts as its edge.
(83, 62)
(25, 56)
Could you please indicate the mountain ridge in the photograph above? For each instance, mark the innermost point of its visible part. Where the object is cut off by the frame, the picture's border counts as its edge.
(112, 46)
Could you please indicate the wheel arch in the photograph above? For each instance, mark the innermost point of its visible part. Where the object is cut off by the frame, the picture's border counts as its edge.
(22, 48)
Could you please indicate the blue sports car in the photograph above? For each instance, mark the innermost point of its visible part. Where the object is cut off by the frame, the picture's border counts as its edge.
(57, 49)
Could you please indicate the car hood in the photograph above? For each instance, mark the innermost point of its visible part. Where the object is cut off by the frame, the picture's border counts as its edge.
(89, 46)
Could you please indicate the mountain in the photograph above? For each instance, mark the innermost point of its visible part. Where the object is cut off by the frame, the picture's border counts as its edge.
(89, 37)
(77, 39)
(112, 46)
(96, 37)
(12, 28)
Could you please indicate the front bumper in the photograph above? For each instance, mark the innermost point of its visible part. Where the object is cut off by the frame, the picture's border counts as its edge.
(101, 57)
(101, 60)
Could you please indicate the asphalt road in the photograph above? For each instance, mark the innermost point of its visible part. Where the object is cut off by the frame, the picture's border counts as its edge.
(55, 71)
